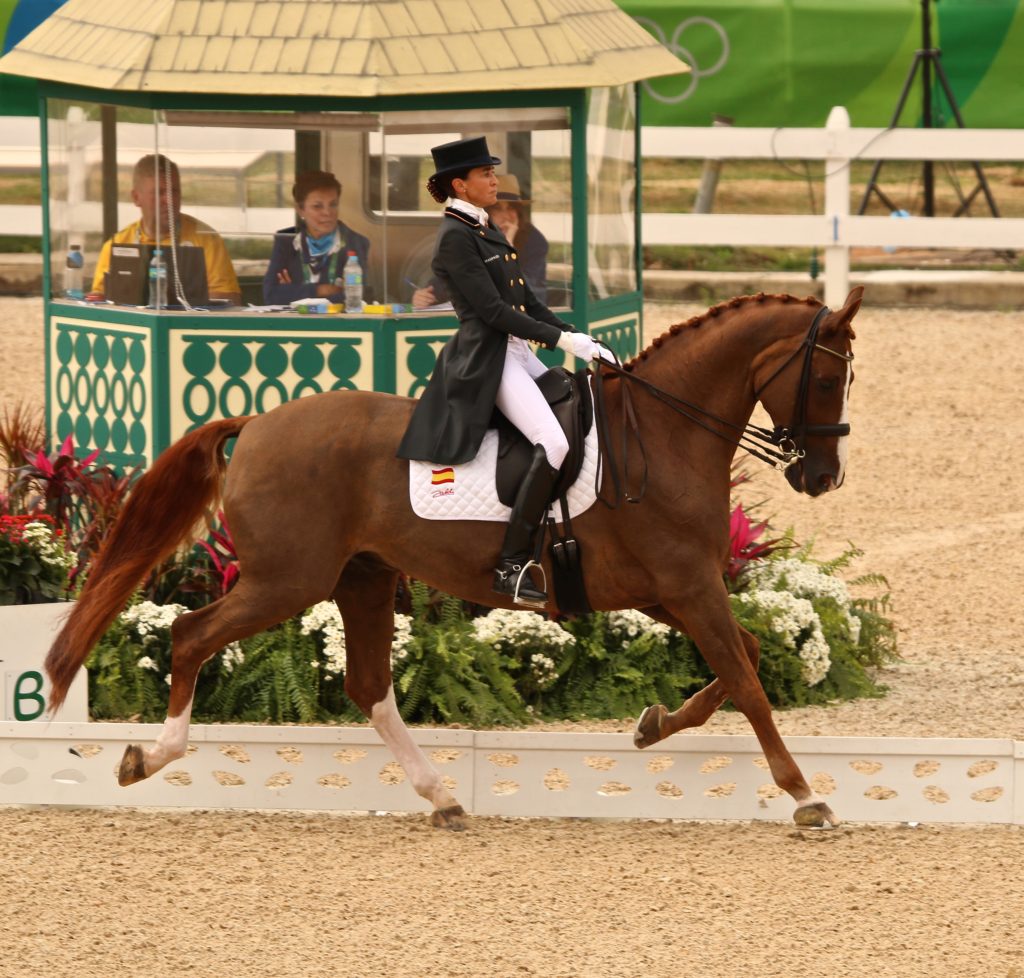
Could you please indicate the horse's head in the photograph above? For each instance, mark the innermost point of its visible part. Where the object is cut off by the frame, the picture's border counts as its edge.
(804, 384)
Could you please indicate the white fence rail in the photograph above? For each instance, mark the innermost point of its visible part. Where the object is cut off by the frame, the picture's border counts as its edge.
(836, 230)
(518, 773)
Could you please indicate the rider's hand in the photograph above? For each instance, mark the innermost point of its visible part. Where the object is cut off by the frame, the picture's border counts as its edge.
(582, 346)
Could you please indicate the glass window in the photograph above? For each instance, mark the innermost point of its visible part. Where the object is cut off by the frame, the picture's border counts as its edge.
(611, 171)
(534, 190)
(235, 174)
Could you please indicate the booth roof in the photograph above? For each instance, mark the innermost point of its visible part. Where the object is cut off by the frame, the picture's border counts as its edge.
(340, 49)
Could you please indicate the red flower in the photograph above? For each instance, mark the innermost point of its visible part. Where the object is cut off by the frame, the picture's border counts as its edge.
(743, 542)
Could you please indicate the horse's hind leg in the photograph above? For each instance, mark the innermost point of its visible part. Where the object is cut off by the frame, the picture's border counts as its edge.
(366, 598)
(656, 722)
(196, 637)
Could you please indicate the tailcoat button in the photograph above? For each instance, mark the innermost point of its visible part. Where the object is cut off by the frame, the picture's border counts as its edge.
(514, 255)
(521, 282)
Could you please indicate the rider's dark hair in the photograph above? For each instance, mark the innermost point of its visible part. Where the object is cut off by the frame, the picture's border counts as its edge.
(439, 186)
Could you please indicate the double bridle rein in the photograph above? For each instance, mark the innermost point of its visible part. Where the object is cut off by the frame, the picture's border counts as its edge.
(779, 447)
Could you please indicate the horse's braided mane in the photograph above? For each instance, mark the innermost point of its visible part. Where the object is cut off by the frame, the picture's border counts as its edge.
(697, 321)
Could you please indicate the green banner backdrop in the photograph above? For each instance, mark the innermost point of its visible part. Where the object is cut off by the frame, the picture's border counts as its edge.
(787, 62)
(774, 62)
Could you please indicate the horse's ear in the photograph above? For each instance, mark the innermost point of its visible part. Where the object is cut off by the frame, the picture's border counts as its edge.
(843, 317)
(853, 301)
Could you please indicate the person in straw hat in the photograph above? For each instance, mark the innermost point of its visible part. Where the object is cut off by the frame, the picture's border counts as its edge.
(487, 364)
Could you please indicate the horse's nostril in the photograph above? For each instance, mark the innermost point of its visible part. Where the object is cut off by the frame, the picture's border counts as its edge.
(826, 481)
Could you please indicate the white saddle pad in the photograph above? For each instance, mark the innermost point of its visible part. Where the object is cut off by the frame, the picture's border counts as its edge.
(469, 491)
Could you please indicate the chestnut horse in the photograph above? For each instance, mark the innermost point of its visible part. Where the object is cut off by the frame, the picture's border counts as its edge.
(318, 506)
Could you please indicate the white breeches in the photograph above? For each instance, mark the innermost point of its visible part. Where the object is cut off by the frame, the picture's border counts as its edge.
(520, 400)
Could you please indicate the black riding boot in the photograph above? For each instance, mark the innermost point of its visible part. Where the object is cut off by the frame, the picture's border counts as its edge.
(512, 577)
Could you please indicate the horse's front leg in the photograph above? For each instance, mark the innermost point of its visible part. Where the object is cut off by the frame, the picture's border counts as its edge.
(656, 722)
(705, 615)
(366, 598)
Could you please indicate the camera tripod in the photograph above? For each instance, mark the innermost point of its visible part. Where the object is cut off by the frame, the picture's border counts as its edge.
(928, 59)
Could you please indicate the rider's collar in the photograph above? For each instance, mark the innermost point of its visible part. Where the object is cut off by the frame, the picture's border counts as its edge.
(470, 210)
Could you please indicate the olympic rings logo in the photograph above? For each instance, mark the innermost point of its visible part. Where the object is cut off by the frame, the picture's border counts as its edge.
(696, 72)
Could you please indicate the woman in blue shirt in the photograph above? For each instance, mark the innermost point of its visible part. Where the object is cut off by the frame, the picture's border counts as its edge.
(308, 260)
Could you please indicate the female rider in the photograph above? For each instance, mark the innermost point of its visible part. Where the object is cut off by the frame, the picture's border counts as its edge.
(487, 363)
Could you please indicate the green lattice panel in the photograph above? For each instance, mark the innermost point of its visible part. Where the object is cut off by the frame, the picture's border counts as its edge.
(415, 354)
(101, 381)
(221, 374)
(621, 333)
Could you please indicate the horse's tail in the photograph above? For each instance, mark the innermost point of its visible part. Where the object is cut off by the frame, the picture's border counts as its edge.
(183, 485)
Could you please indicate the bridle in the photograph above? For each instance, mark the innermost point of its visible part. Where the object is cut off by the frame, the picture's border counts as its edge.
(779, 447)
(796, 433)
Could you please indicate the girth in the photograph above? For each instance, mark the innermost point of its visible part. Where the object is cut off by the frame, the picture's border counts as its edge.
(569, 397)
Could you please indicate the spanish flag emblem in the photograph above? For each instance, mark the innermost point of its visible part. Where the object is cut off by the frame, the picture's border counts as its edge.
(438, 477)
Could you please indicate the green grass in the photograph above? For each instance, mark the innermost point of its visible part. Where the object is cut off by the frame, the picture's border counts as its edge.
(20, 244)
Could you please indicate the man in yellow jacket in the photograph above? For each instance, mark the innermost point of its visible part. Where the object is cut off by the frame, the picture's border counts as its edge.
(220, 274)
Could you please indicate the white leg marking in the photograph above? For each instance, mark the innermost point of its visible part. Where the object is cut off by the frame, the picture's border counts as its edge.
(421, 773)
(812, 799)
(844, 417)
(172, 742)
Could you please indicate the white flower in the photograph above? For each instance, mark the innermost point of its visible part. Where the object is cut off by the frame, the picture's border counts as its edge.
(792, 617)
(326, 619)
(232, 656)
(147, 617)
(631, 624)
(543, 669)
(48, 545)
(147, 663)
(511, 629)
(805, 579)
(402, 638)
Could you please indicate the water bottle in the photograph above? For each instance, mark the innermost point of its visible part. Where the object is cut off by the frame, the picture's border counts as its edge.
(158, 280)
(353, 284)
(74, 271)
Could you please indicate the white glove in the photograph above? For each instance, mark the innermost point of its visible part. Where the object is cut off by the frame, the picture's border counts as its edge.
(582, 346)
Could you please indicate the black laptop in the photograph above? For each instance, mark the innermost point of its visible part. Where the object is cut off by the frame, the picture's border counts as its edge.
(128, 279)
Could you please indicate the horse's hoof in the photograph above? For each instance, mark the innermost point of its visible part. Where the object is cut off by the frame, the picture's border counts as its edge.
(452, 818)
(815, 815)
(648, 727)
(133, 766)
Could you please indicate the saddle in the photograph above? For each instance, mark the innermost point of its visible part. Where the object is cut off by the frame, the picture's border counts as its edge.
(572, 404)
(570, 400)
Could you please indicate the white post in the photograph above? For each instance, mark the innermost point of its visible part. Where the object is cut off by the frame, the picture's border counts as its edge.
(837, 210)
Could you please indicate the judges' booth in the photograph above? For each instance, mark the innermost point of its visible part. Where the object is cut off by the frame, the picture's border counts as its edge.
(129, 379)
(243, 98)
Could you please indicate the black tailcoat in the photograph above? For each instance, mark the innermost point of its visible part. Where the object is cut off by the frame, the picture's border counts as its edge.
(492, 300)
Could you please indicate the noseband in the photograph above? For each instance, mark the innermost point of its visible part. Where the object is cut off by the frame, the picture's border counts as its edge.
(792, 438)
(779, 447)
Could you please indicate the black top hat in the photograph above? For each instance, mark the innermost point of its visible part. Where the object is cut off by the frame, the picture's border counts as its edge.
(463, 154)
